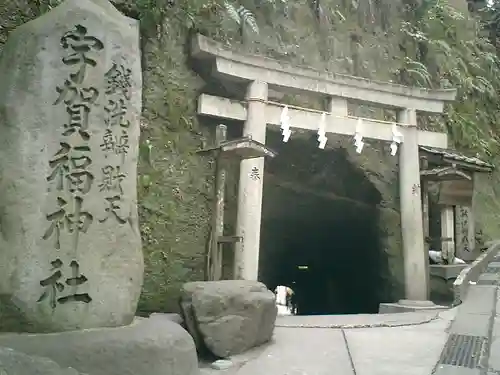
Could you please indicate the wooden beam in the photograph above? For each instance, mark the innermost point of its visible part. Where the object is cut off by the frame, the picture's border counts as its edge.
(309, 119)
(444, 174)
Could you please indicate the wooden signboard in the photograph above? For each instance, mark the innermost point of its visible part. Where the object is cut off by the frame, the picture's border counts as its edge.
(456, 193)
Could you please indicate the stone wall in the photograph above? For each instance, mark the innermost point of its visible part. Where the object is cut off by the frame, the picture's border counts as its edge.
(176, 184)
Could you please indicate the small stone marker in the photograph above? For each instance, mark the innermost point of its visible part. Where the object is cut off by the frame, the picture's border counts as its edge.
(465, 236)
(70, 104)
(221, 364)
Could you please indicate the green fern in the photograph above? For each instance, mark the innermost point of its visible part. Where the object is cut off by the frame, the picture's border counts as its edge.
(242, 16)
(470, 65)
(443, 46)
(419, 71)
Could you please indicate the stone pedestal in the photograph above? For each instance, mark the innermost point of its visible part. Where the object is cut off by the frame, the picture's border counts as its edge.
(442, 278)
(149, 346)
(14, 362)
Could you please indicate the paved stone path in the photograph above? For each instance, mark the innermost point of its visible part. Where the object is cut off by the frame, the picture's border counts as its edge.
(392, 344)
(461, 341)
(473, 345)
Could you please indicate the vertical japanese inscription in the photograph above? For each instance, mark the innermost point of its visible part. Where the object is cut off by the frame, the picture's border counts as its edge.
(464, 218)
(118, 92)
(115, 141)
(69, 167)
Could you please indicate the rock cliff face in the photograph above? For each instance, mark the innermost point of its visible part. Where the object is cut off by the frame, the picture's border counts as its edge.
(176, 184)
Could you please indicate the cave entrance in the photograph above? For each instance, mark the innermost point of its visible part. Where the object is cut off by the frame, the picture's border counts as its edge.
(320, 229)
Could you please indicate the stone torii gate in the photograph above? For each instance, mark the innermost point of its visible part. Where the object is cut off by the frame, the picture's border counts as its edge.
(260, 74)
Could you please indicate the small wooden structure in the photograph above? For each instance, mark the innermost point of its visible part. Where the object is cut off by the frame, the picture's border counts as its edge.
(239, 149)
(448, 177)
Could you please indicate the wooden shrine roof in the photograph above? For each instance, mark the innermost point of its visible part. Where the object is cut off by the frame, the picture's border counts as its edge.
(443, 156)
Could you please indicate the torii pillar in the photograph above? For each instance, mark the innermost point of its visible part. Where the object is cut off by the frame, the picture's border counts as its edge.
(415, 258)
(250, 188)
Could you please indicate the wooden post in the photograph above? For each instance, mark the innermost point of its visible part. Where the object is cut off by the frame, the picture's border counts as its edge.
(448, 234)
(424, 164)
(215, 254)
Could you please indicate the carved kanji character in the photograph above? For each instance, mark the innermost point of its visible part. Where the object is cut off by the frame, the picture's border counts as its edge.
(118, 79)
(52, 284)
(81, 46)
(116, 111)
(112, 178)
(112, 209)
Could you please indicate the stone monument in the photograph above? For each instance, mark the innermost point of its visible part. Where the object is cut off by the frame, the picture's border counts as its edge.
(70, 247)
(70, 106)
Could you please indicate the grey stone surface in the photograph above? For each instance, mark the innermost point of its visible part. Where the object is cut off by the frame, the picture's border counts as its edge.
(229, 316)
(221, 364)
(470, 324)
(52, 70)
(153, 346)
(488, 277)
(16, 363)
(496, 327)
(455, 370)
(319, 351)
(474, 318)
(173, 317)
(494, 359)
(411, 350)
(471, 273)
(480, 300)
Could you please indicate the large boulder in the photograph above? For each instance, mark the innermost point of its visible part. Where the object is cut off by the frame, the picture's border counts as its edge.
(228, 317)
(149, 346)
(16, 363)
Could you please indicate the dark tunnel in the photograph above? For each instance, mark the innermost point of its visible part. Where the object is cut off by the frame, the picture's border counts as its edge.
(320, 230)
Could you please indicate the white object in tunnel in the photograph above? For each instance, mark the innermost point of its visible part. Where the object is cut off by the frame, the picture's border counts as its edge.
(282, 300)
